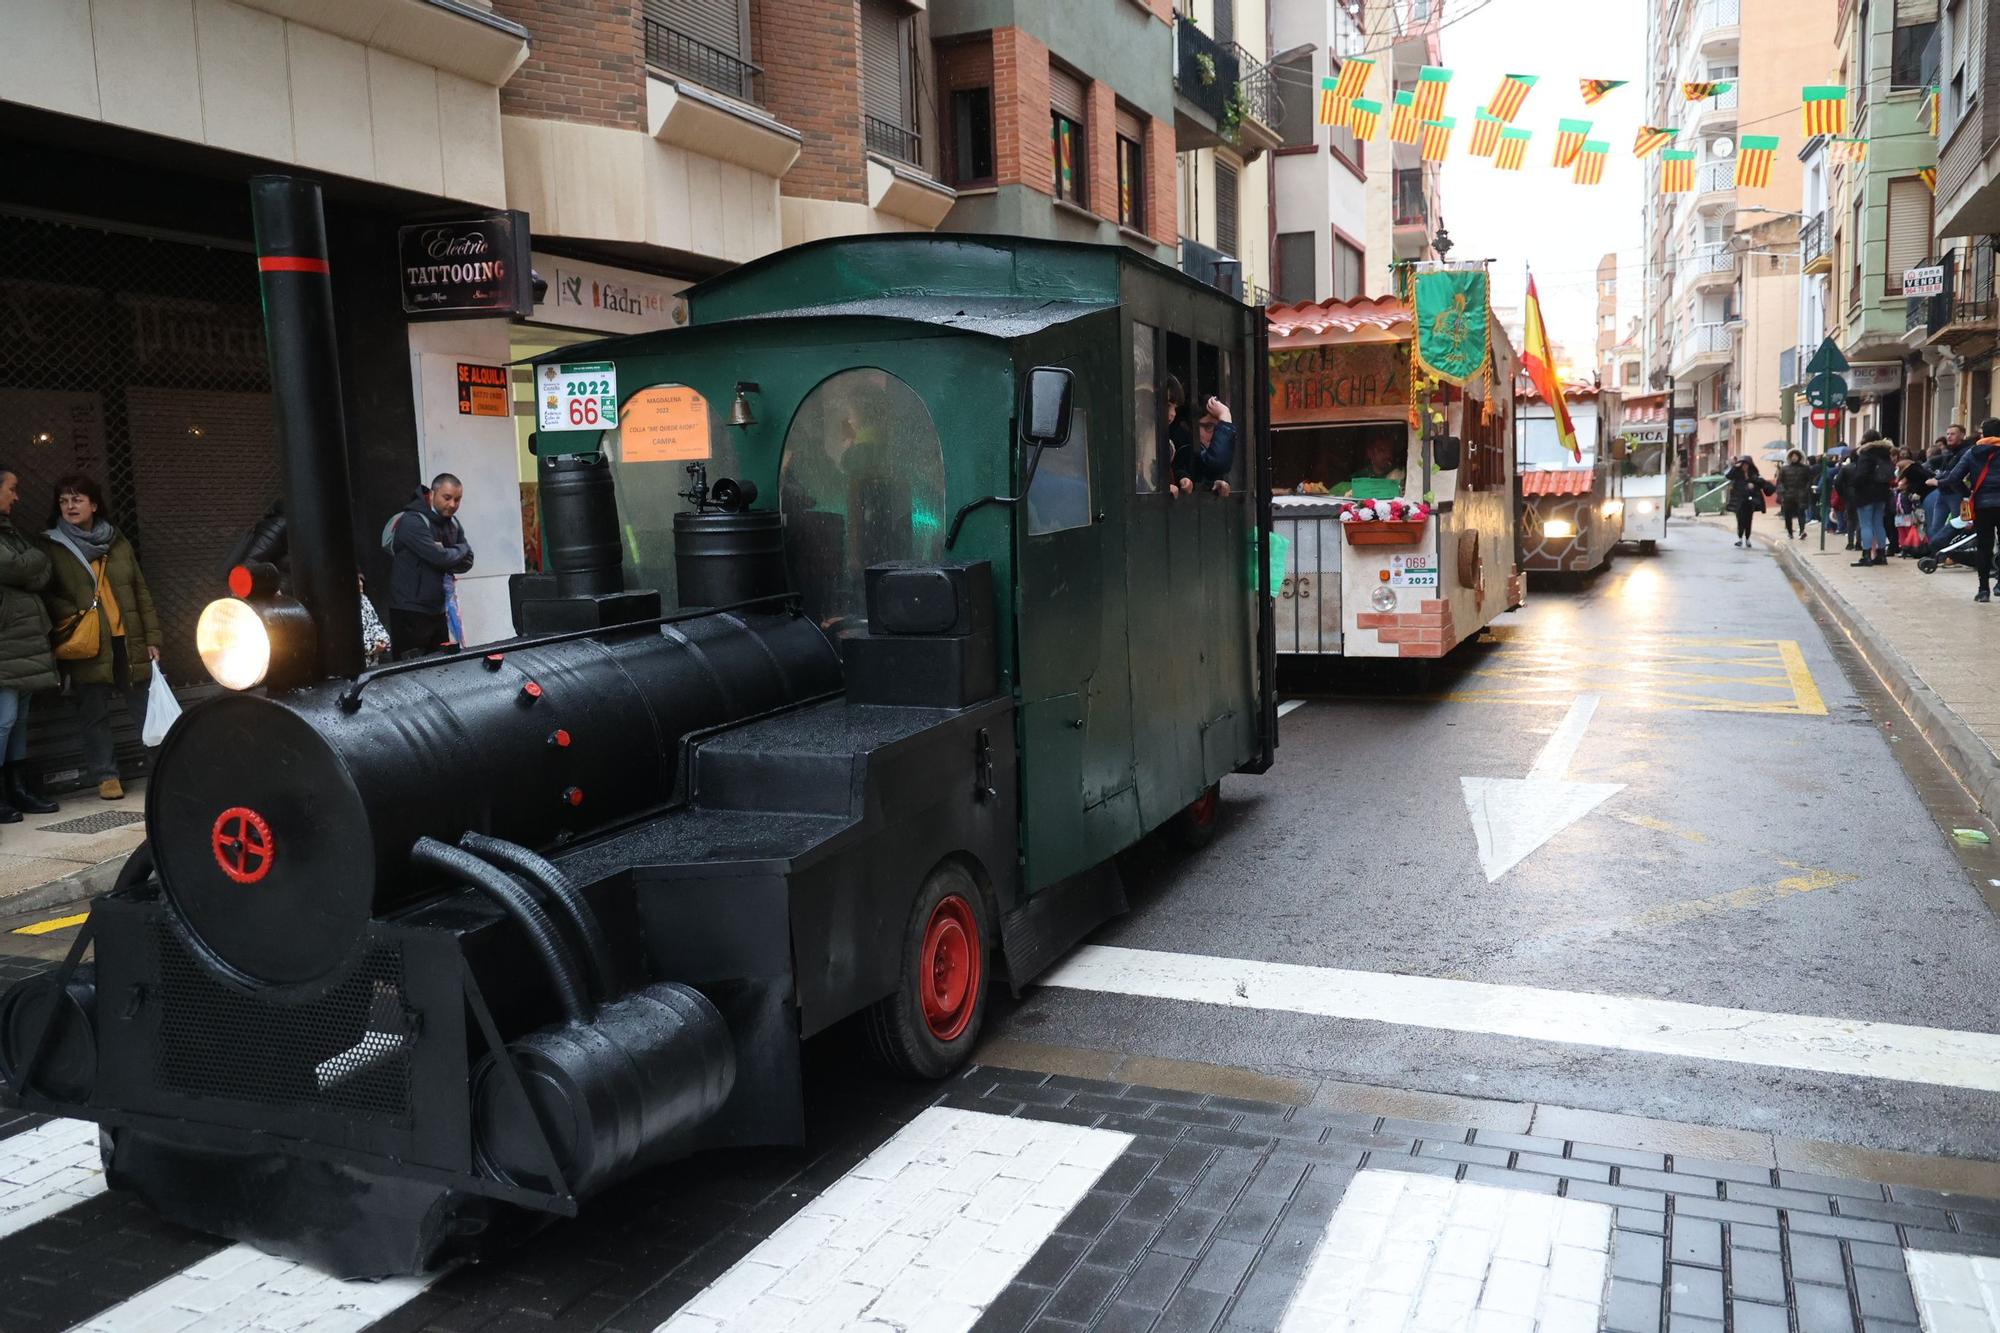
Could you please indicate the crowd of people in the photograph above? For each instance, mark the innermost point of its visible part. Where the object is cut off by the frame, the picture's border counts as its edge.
(1909, 501)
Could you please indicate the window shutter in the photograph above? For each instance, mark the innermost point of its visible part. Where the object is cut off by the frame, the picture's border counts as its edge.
(1130, 126)
(885, 79)
(716, 23)
(1225, 208)
(1916, 11)
(1909, 229)
(1066, 93)
(1225, 21)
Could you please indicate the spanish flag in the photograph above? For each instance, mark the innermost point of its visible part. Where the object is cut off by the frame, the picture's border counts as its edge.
(1825, 108)
(1437, 138)
(1431, 85)
(1541, 367)
(1354, 72)
(1754, 153)
(1677, 177)
(1570, 135)
(1486, 129)
(1513, 152)
(1403, 126)
(1332, 106)
(1590, 162)
(1652, 137)
(1514, 89)
(1363, 115)
(1595, 89)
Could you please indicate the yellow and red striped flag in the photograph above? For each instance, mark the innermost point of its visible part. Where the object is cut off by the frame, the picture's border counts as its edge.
(1514, 89)
(1437, 138)
(1652, 137)
(1931, 106)
(1825, 108)
(1354, 72)
(1754, 154)
(1540, 363)
(1332, 106)
(1513, 154)
(1403, 124)
(1853, 151)
(1677, 176)
(1486, 129)
(1432, 83)
(1570, 135)
(1701, 92)
(1363, 115)
(1928, 175)
(1590, 162)
(1595, 89)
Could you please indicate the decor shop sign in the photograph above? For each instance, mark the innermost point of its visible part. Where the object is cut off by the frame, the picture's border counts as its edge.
(466, 268)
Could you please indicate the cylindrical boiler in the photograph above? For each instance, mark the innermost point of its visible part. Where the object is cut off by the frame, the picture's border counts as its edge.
(721, 559)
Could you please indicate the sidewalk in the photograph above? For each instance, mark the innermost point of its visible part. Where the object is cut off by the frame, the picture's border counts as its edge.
(47, 860)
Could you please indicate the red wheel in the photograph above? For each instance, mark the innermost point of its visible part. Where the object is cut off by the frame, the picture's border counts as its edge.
(949, 967)
(1194, 827)
(928, 1025)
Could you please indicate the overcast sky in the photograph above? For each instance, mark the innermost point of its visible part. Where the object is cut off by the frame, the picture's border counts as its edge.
(1536, 218)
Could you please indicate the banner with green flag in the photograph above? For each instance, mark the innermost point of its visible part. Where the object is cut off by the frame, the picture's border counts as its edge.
(1452, 317)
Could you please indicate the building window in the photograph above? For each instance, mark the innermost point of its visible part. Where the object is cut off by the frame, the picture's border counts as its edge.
(1227, 237)
(1297, 279)
(1131, 184)
(1914, 53)
(1963, 89)
(702, 41)
(972, 136)
(1854, 255)
(1909, 230)
(1348, 262)
(1066, 133)
(888, 89)
(1298, 101)
(1861, 45)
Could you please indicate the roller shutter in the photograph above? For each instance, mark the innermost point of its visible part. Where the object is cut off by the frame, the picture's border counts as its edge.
(885, 62)
(1226, 237)
(1066, 93)
(716, 23)
(1916, 11)
(1130, 126)
(1909, 229)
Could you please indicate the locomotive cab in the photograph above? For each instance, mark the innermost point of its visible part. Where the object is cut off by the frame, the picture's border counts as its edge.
(418, 956)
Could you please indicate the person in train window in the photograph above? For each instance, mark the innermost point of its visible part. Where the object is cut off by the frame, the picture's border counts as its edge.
(1382, 462)
(1206, 456)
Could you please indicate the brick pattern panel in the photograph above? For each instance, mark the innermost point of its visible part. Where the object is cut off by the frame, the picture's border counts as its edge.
(1428, 632)
(1022, 151)
(1101, 128)
(811, 54)
(586, 63)
(1162, 193)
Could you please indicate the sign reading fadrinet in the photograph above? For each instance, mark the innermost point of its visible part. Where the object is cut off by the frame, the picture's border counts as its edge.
(466, 268)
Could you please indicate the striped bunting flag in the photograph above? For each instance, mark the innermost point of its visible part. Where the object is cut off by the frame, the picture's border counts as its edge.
(1928, 175)
(1354, 72)
(1403, 126)
(1652, 137)
(1513, 152)
(1486, 129)
(1506, 103)
(1754, 153)
(1437, 138)
(1590, 162)
(1432, 83)
(1595, 89)
(1570, 135)
(1931, 107)
(1825, 108)
(1363, 115)
(1677, 177)
(1701, 92)
(1853, 151)
(1332, 106)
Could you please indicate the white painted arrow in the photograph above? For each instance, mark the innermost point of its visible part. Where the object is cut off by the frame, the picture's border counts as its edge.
(1511, 817)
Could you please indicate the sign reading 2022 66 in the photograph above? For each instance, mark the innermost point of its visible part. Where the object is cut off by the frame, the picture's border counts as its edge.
(583, 396)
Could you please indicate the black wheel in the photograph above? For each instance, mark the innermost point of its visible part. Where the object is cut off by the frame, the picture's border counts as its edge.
(1649, 548)
(1927, 565)
(1194, 828)
(929, 1026)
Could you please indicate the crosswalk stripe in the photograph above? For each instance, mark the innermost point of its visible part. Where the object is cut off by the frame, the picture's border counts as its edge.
(1955, 1293)
(1944, 1057)
(45, 1170)
(243, 1290)
(923, 1234)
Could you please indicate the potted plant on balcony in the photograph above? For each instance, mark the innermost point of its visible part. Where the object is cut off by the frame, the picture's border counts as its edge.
(1384, 522)
(1235, 111)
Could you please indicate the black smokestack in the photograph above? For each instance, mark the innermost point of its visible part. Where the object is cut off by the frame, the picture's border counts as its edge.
(312, 430)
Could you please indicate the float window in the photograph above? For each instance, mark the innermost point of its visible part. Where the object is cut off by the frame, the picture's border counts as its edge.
(1060, 495)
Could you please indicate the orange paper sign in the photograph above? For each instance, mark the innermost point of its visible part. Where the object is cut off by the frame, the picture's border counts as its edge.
(667, 423)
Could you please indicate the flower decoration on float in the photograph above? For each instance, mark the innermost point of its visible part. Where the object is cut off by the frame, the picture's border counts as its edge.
(1384, 511)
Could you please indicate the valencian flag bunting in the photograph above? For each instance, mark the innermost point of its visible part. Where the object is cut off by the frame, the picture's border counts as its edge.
(1437, 138)
(1570, 135)
(1590, 162)
(1928, 175)
(1754, 153)
(1540, 363)
(1432, 83)
(1931, 108)
(1652, 137)
(1595, 89)
(1701, 92)
(1453, 318)
(1677, 177)
(1363, 115)
(1513, 152)
(1332, 106)
(1403, 125)
(1354, 72)
(1506, 103)
(1826, 109)
(1854, 151)
(1486, 129)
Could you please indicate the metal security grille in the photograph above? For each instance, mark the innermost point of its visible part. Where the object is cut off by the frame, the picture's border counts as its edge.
(139, 361)
(98, 823)
(349, 1050)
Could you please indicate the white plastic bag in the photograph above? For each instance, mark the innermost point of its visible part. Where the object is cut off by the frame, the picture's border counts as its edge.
(161, 709)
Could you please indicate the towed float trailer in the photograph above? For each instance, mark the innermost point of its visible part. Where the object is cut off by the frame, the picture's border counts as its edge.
(1572, 509)
(1647, 469)
(416, 959)
(1340, 397)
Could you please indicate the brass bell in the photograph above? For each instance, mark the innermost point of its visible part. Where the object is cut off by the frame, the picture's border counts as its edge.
(739, 410)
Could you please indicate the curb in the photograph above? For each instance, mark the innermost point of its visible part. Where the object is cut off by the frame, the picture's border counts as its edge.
(1969, 758)
(75, 887)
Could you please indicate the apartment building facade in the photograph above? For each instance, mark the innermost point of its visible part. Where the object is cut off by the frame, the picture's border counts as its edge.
(1225, 128)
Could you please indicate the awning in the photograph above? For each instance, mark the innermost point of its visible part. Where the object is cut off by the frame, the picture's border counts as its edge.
(1566, 481)
(1383, 319)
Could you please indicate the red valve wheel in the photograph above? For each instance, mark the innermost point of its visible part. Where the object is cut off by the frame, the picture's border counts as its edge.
(242, 844)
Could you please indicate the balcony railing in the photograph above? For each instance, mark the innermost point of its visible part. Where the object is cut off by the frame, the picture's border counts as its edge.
(676, 53)
(1704, 340)
(1713, 257)
(1710, 177)
(1411, 207)
(1713, 15)
(1207, 264)
(1205, 71)
(892, 140)
(1812, 238)
(1968, 295)
(1260, 90)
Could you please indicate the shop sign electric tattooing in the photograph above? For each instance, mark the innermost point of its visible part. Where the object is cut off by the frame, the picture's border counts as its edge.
(466, 268)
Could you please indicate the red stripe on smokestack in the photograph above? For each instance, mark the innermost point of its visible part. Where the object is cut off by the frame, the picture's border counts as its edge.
(291, 264)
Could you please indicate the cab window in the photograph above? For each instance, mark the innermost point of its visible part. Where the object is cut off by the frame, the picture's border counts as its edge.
(1059, 497)
(1148, 414)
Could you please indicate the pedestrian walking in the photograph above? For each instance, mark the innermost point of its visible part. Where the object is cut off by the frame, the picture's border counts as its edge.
(26, 665)
(1795, 492)
(106, 634)
(1976, 475)
(427, 545)
(1747, 489)
(1871, 480)
(1913, 481)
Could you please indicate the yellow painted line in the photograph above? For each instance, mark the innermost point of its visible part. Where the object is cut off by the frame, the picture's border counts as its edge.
(1659, 826)
(1756, 895)
(1803, 687)
(51, 926)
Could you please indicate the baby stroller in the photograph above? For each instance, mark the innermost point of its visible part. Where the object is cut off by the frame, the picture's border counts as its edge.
(1953, 542)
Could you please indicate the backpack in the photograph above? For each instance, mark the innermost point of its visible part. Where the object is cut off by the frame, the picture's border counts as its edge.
(389, 532)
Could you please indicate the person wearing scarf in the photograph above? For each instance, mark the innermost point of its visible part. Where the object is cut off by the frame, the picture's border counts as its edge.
(95, 570)
(1976, 476)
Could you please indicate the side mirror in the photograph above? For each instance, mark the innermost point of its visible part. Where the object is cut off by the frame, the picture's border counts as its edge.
(1445, 451)
(1045, 404)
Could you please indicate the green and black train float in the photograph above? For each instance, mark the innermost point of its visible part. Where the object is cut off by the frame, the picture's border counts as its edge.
(415, 956)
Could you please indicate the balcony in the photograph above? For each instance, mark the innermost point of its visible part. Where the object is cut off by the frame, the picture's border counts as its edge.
(1251, 114)
(1715, 23)
(677, 55)
(892, 140)
(1715, 113)
(1704, 347)
(1205, 263)
(1814, 248)
(1714, 184)
(1965, 311)
(1710, 262)
(1206, 75)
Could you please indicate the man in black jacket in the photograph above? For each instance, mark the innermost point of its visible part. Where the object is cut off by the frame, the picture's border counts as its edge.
(427, 546)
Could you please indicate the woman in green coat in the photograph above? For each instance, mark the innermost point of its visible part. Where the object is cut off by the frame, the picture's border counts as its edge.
(96, 570)
(25, 664)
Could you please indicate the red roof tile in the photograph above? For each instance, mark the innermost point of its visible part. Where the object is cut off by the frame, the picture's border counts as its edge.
(1566, 481)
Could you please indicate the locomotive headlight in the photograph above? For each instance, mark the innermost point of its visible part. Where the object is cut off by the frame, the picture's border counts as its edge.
(1559, 527)
(1647, 506)
(1613, 508)
(234, 644)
